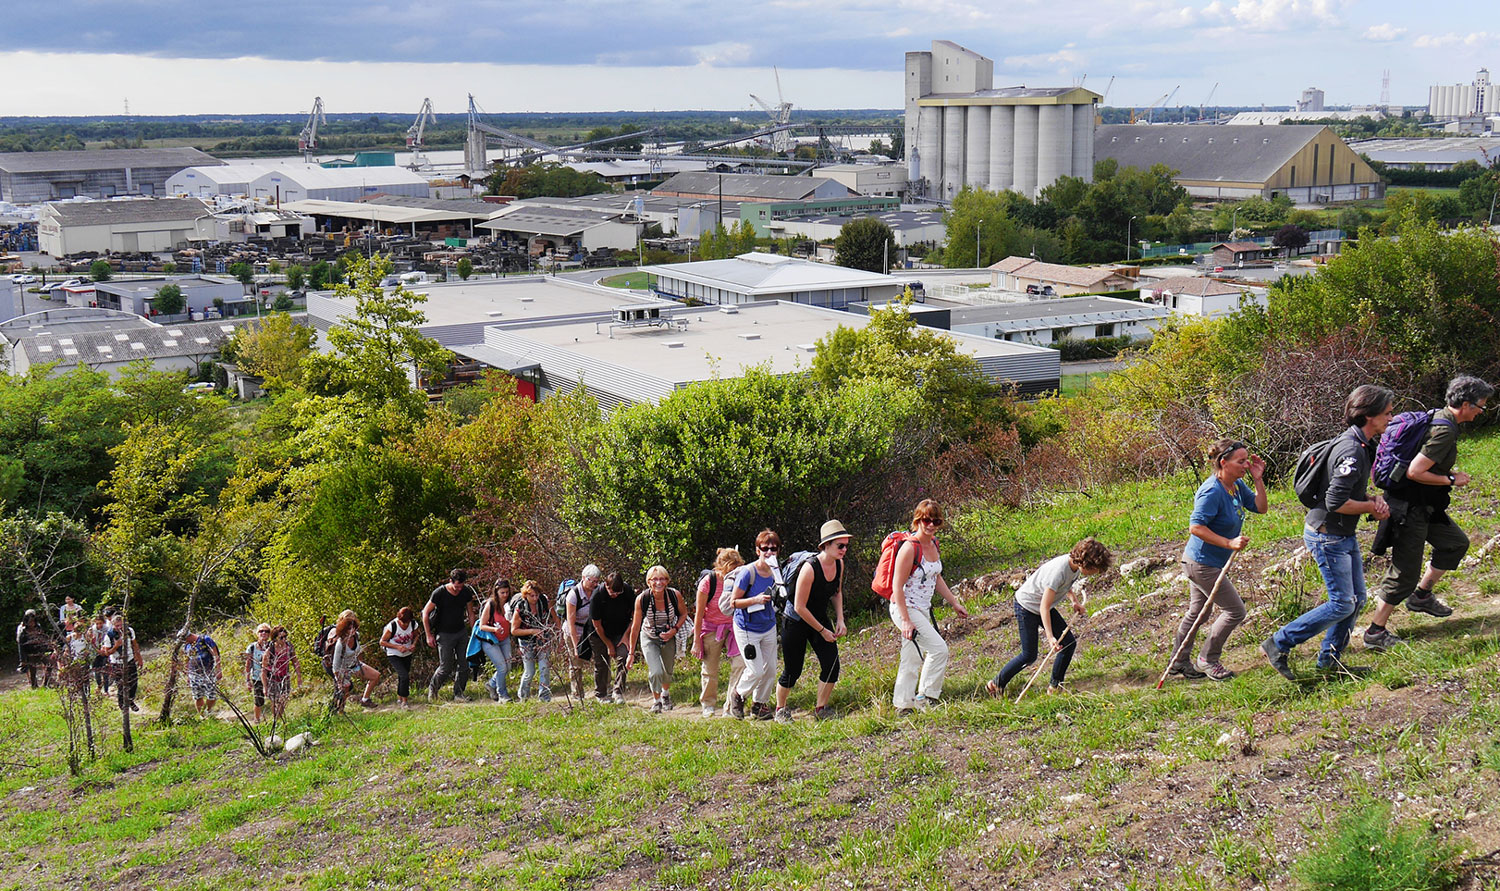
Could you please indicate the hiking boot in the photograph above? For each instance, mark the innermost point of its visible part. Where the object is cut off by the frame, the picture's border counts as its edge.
(656, 707)
(736, 706)
(1277, 658)
(462, 697)
(824, 713)
(1380, 639)
(1428, 603)
(783, 715)
(1216, 671)
(666, 701)
(1186, 671)
(905, 712)
(367, 702)
(761, 711)
(925, 704)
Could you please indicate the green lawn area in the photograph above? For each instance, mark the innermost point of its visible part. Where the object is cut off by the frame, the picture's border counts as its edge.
(639, 281)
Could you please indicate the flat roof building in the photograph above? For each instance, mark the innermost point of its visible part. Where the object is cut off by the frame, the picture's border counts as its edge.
(909, 227)
(763, 216)
(648, 360)
(1308, 163)
(704, 185)
(122, 226)
(199, 294)
(754, 277)
(1048, 321)
(566, 230)
(35, 177)
(868, 179)
(109, 341)
(1434, 154)
(686, 217)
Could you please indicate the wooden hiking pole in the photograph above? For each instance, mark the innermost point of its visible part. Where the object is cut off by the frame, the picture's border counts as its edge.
(1051, 652)
(1202, 614)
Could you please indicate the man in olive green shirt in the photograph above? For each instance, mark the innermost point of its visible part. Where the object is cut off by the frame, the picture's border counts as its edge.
(1424, 494)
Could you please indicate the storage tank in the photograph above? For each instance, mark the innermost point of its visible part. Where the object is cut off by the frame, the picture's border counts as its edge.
(977, 151)
(1083, 142)
(953, 149)
(1054, 144)
(930, 146)
(1026, 142)
(1002, 147)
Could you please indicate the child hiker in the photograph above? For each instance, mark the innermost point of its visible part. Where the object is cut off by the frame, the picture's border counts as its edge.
(1036, 611)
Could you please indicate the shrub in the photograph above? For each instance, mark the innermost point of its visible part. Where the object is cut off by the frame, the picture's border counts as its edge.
(1368, 852)
(1075, 349)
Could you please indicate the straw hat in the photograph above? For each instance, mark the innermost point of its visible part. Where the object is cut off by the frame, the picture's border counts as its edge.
(831, 530)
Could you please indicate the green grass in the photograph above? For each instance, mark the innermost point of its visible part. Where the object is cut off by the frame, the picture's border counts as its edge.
(1370, 851)
(639, 281)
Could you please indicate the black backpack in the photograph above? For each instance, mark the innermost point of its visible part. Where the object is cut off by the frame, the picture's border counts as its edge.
(786, 592)
(1310, 478)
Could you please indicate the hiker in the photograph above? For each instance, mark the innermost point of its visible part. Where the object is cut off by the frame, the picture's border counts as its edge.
(531, 625)
(70, 610)
(276, 671)
(254, 656)
(96, 635)
(580, 631)
(658, 618)
(818, 586)
(1419, 514)
(919, 576)
(1036, 612)
(36, 649)
(399, 640)
(612, 612)
(713, 633)
(755, 629)
(205, 670)
(446, 619)
(125, 662)
(492, 633)
(1328, 532)
(347, 666)
(1214, 533)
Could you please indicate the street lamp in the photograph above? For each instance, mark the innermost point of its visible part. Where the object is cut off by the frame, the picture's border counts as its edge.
(978, 262)
(1127, 237)
(1491, 223)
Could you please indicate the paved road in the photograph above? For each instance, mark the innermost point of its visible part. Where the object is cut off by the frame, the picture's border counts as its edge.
(1093, 366)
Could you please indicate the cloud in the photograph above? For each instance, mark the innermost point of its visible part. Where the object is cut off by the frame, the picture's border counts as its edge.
(1067, 58)
(1383, 32)
(1439, 41)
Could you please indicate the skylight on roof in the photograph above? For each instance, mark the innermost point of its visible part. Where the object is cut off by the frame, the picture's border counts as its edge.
(137, 345)
(202, 340)
(122, 337)
(174, 332)
(70, 352)
(169, 342)
(227, 329)
(65, 341)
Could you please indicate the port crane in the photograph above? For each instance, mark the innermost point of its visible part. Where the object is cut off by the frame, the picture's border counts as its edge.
(417, 131)
(780, 114)
(307, 140)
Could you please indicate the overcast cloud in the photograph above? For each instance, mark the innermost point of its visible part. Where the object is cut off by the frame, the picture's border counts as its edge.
(171, 56)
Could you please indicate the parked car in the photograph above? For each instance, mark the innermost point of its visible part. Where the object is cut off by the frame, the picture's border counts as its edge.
(199, 388)
(24, 279)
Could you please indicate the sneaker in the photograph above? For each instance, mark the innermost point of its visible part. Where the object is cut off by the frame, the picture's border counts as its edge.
(656, 707)
(1277, 659)
(462, 697)
(708, 711)
(1187, 671)
(761, 711)
(1380, 639)
(905, 712)
(618, 699)
(666, 702)
(736, 706)
(1428, 604)
(494, 694)
(1216, 671)
(1056, 689)
(783, 715)
(923, 704)
(824, 713)
(995, 690)
(367, 702)
(134, 706)
(504, 698)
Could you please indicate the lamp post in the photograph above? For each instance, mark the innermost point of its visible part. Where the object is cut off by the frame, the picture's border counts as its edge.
(1491, 223)
(978, 261)
(1127, 237)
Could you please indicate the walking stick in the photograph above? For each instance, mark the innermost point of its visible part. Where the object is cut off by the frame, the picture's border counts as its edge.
(1202, 614)
(1051, 652)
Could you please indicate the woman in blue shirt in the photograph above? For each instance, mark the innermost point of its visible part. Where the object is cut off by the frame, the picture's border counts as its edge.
(1214, 534)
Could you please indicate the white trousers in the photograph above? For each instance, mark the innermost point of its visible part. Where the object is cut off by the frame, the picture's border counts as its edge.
(924, 661)
(759, 680)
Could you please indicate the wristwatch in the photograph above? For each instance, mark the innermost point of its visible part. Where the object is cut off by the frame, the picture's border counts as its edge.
(1450, 479)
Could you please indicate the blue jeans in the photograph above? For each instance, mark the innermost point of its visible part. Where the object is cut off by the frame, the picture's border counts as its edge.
(499, 656)
(1343, 571)
(533, 654)
(1030, 626)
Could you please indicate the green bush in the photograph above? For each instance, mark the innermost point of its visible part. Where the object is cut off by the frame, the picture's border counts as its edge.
(1075, 350)
(1367, 851)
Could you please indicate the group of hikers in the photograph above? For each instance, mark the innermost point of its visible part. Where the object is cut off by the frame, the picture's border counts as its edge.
(748, 613)
(103, 648)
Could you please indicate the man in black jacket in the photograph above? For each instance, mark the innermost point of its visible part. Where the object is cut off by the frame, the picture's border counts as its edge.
(1329, 533)
(1419, 515)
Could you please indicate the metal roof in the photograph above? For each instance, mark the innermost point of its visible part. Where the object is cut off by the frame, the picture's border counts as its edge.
(1063, 312)
(104, 159)
(147, 340)
(1205, 154)
(1416, 150)
(127, 210)
(380, 213)
(467, 206)
(757, 274)
(745, 185)
(557, 221)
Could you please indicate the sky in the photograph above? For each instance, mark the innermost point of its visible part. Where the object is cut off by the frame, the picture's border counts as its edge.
(89, 57)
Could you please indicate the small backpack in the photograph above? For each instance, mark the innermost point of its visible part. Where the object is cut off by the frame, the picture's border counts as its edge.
(885, 570)
(1310, 478)
(787, 596)
(1402, 440)
(560, 602)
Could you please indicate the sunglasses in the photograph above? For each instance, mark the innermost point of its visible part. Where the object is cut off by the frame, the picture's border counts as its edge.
(843, 545)
(769, 549)
(931, 521)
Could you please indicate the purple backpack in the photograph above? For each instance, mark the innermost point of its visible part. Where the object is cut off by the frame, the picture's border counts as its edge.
(1402, 440)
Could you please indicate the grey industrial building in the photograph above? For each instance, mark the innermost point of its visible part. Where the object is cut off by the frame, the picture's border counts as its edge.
(962, 131)
(34, 177)
(705, 185)
(65, 228)
(1433, 154)
(109, 340)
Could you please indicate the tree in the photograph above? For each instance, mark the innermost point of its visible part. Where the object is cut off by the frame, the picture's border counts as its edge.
(274, 349)
(282, 302)
(100, 270)
(376, 348)
(1290, 239)
(464, 267)
(296, 277)
(245, 273)
(321, 275)
(545, 179)
(169, 300)
(866, 243)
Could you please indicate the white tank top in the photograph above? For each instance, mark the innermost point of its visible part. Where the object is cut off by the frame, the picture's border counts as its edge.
(921, 584)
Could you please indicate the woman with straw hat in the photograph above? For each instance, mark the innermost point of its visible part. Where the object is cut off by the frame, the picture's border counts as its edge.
(819, 585)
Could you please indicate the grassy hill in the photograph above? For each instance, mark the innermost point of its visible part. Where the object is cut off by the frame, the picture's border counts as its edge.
(1114, 785)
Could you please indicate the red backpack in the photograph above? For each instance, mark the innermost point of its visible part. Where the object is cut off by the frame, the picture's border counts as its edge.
(885, 570)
